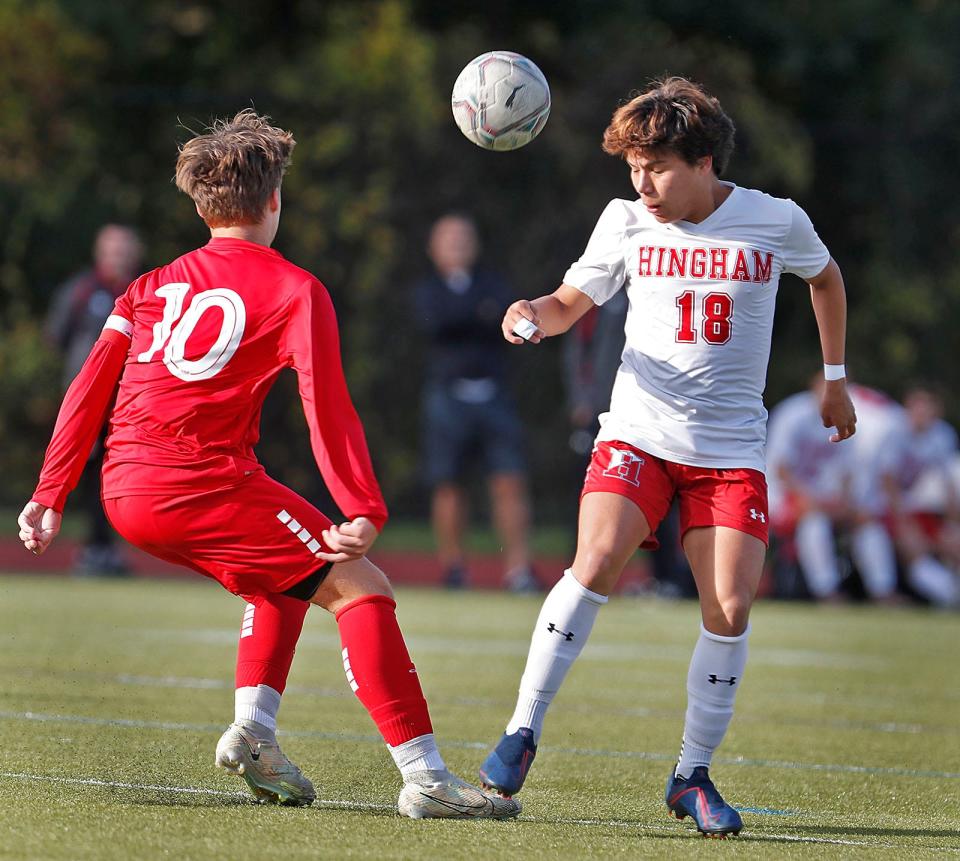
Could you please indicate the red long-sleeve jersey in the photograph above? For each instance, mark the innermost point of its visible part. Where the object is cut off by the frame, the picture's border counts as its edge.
(195, 346)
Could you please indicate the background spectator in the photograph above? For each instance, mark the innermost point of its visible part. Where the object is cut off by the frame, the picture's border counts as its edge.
(79, 309)
(469, 419)
(922, 500)
(879, 426)
(807, 481)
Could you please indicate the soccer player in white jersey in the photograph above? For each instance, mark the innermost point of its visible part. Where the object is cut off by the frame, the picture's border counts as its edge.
(808, 481)
(700, 260)
(873, 456)
(922, 499)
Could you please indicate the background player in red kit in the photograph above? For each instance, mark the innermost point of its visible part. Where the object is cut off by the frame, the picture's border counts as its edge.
(194, 346)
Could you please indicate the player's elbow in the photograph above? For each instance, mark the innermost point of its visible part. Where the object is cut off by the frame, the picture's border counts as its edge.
(829, 279)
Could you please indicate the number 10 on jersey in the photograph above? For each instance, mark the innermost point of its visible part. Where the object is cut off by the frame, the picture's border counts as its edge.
(174, 334)
(717, 313)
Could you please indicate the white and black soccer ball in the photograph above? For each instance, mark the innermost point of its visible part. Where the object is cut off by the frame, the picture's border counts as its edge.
(501, 100)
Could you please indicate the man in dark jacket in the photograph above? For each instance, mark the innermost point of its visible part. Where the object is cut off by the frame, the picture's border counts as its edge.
(79, 309)
(469, 417)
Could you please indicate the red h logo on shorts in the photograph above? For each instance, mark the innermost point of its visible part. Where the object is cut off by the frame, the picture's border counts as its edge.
(625, 465)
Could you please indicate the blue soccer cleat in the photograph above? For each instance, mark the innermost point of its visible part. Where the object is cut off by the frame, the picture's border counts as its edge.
(698, 798)
(506, 767)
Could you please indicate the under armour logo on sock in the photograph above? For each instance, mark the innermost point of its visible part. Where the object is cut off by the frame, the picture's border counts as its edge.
(567, 635)
(714, 679)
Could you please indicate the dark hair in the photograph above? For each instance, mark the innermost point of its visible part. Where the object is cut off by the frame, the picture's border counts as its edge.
(674, 114)
(926, 387)
(231, 171)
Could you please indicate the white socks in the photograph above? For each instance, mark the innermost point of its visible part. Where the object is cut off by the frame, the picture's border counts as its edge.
(875, 558)
(259, 704)
(716, 670)
(934, 581)
(818, 560)
(418, 754)
(562, 629)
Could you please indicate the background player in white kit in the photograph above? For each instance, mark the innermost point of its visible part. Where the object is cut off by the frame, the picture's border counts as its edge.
(808, 483)
(700, 260)
(921, 499)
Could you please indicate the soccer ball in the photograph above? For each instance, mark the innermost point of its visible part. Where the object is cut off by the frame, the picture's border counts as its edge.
(501, 100)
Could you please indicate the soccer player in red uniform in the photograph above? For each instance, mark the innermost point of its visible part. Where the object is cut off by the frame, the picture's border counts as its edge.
(181, 370)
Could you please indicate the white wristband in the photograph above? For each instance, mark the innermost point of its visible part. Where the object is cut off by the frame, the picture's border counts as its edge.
(524, 328)
(834, 372)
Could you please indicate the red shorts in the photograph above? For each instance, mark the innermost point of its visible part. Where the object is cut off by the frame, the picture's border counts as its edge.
(736, 498)
(930, 523)
(254, 538)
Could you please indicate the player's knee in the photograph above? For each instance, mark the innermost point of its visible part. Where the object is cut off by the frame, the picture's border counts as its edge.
(349, 581)
(728, 617)
(596, 567)
(375, 581)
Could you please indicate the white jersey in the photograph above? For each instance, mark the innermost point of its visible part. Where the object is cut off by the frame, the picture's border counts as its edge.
(935, 490)
(924, 468)
(921, 450)
(690, 386)
(881, 428)
(798, 442)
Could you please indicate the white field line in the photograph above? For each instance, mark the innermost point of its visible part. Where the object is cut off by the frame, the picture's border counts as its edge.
(595, 650)
(197, 683)
(339, 804)
(129, 723)
(189, 682)
(188, 790)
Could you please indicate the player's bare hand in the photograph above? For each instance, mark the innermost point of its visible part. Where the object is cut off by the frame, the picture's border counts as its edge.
(348, 541)
(522, 313)
(836, 410)
(39, 525)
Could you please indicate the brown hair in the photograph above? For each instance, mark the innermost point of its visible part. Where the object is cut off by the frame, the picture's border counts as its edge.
(231, 171)
(674, 114)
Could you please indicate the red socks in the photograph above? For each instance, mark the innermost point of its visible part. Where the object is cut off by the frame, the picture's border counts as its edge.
(375, 658)
(379, 669)
(268, 636)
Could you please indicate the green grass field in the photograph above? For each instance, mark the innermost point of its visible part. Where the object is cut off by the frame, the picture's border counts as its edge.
(846, 741)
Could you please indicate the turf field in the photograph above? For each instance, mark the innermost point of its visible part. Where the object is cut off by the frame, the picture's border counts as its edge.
(846, 742)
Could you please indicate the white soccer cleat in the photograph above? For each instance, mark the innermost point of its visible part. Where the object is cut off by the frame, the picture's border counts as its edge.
(272, 778)
(442, 795)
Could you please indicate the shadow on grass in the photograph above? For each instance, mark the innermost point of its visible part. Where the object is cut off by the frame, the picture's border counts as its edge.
(171, 799)
(792, 834)
(177, 800)
(827, 831)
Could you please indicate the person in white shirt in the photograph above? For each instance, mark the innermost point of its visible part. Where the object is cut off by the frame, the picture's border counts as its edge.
(807, 484)
(922, 500)
(873, 455)
(700, 260)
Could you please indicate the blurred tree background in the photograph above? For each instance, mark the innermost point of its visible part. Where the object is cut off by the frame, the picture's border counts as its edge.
(849, 107)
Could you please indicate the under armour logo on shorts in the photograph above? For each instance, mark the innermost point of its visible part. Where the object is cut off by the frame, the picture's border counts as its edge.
(758, 515)
(625, 465)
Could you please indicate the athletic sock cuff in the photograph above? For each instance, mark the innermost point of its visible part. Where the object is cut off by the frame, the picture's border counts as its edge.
(270, 673)
(366, 599)
(258, 703)
(592, 597)
(722, 639)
